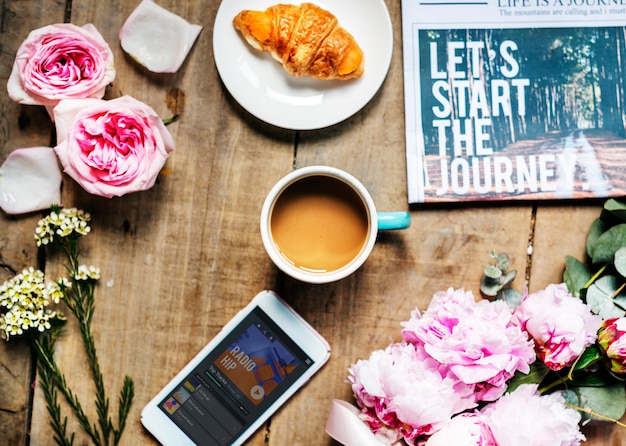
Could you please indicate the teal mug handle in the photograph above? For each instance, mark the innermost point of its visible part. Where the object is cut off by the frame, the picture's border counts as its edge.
(393, 220)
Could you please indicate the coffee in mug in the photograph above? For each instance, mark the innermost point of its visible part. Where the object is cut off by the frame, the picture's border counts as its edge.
(319, 224)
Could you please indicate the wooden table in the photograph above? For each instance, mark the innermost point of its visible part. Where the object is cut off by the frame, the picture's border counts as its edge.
(181, 259)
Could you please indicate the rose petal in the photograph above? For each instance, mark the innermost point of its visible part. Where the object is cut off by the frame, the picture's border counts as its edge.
(30, 180)
(156, 38)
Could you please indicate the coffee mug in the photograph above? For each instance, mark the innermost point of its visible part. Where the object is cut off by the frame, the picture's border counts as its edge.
(319, 224)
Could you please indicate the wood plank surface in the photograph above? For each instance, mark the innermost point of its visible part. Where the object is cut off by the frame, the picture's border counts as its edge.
(179, 260)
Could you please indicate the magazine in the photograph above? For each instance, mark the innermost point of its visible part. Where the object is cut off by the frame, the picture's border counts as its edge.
(514, 99)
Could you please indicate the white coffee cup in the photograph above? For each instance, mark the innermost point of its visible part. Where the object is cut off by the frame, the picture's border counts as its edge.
(319, 224)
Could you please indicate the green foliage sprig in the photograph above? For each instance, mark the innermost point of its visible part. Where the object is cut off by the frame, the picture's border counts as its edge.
(600, 278)
(25, 300)
(497, 279)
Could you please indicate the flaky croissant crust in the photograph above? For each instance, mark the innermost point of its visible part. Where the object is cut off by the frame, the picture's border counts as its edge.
(306, 39)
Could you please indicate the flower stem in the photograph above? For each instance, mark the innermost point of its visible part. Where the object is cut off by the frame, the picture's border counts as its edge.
(597, 415)
(46, 355)
(594, 277)
(48, 384)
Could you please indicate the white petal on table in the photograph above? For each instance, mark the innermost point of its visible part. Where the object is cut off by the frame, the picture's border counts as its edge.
(157, 38)
(30, 180)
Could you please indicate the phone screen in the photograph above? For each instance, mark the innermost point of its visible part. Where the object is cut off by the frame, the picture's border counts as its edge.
(236, 382)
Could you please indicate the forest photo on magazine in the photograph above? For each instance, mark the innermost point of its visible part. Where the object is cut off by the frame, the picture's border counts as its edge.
(522, 113)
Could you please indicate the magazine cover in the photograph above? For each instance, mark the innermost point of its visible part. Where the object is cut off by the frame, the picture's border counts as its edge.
(514, 99)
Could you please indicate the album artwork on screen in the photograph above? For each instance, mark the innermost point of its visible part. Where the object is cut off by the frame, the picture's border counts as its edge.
(514, 99)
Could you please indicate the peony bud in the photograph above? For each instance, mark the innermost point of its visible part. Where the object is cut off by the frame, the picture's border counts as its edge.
(612, 341)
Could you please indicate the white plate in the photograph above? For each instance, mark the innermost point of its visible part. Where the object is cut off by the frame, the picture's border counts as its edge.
(262, 86)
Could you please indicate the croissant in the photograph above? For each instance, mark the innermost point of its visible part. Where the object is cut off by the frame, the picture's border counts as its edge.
(306, 39)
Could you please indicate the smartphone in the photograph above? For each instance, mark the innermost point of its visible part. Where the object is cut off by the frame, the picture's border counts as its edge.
(239, 379)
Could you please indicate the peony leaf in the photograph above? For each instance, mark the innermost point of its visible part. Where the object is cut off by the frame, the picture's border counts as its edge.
(576, 275)
(598, 403)
(617, 208)
(620, 261)
(538, 371)
(600, 297)
(591, 355)
(597, 228)
(610, 241)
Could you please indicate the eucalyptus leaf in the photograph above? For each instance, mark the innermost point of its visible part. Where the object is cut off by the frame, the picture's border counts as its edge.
(489, 287)
(599, 403)
(502, 261)
(620, 261)
(576, 275)
(600, 297)
(512, 297)
(508, 277)
(620, 301)
(597, 228)
(608, 243)
(492, 272)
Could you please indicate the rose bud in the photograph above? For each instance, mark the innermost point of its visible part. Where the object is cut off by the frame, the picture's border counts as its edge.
(612, 341)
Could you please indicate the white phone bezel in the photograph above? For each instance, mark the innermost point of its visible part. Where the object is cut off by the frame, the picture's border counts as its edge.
(305, 336)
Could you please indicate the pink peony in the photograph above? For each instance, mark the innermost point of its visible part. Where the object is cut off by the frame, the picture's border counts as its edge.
(61, 61)
(561, 325)
(525, 418)
(476, 340)
(111, 148)
(612, 341)
(466, 429)
(402, 391)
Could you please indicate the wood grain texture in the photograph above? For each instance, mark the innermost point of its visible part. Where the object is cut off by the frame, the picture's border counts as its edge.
(179, 260)
(20, 127)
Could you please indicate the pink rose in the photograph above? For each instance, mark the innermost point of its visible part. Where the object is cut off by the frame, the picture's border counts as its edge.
(466, 429)
(612, 341)
(476, 340)
(403, 391)
(561, 325)
(61, 61)
(111, 148)
(523, 418)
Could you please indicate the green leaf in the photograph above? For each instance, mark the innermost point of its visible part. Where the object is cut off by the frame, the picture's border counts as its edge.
(492, 272)
(576, 275)
(600, 297)
(599, 403)
(538, 371)
(591, 355)
(620, 261)
(610, 241)
(508, 278)
(616, 207)
(512, 297)
(597, 228)
(502, 261)
(489, 287)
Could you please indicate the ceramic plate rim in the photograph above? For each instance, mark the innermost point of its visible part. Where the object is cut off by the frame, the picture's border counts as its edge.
(262, 87)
